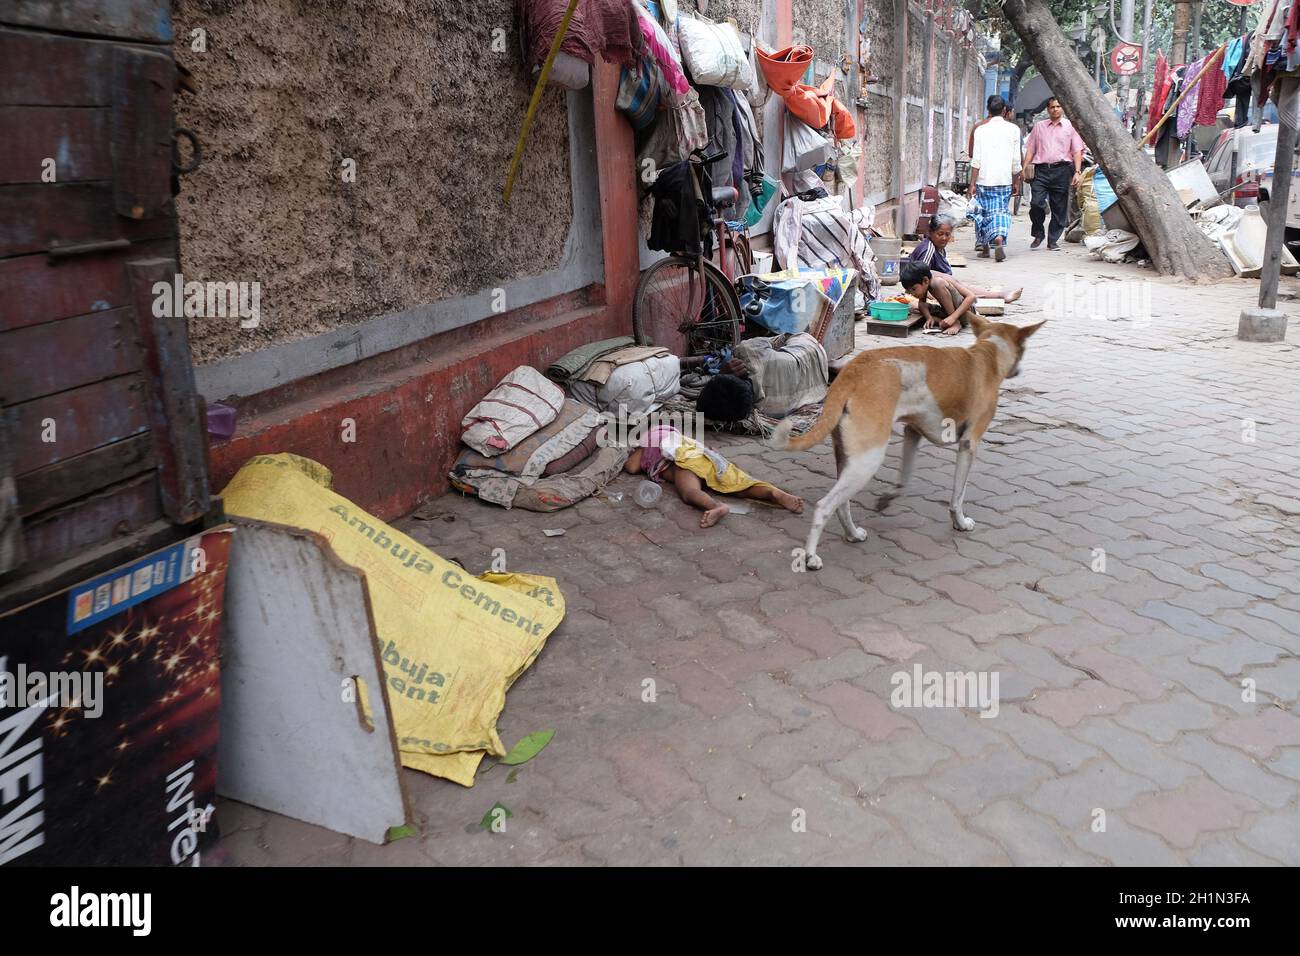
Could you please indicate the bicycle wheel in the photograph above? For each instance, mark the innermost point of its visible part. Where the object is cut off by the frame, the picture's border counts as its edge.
(744, 254)
(670, 297)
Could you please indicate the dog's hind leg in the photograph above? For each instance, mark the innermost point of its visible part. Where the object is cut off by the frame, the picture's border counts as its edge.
(851, 530)
(856, 472)
(911, 438)
(965, 458)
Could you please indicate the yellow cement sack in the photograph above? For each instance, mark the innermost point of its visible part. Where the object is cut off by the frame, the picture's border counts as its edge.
(451, 643)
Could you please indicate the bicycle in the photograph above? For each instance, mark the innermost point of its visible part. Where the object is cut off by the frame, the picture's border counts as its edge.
(688, 292)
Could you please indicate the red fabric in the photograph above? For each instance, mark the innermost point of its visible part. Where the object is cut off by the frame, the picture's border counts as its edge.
(605, 28)
(1159, 90)
(815, 105)
(1211, 101)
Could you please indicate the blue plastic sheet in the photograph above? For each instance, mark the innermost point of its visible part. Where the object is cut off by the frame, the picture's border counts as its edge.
(1105, 194)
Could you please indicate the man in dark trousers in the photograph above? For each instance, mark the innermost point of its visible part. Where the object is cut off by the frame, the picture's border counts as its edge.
(1056, 150)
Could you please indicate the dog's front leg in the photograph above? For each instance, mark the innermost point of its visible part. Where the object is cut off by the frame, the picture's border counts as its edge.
(965, 457)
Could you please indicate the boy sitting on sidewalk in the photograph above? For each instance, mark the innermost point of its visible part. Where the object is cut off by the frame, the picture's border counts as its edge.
(955, 300)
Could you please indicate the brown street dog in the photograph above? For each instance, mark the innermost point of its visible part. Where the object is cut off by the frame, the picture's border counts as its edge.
(947, 395)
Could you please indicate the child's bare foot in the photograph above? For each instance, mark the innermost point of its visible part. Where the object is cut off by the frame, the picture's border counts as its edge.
(713, 516)
(951, 328)
(1012, 295)
(789, 502)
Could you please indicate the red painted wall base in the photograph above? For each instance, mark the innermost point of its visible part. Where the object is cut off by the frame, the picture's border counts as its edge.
(404, 416)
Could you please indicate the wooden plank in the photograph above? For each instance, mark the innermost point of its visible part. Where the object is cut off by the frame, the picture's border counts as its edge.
(35, 217)
(56, 356)
(145, 20)
(113, 512)
(46, 70)
(33, 289)
(144, 82)
(70, 144)
(83, 475)
(299, 626)
(83, 418)
(177, 415)
(12, 552)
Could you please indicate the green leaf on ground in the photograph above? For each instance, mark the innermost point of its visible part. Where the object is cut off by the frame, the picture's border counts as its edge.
(528, 747)
(401, 832)
(492, 816)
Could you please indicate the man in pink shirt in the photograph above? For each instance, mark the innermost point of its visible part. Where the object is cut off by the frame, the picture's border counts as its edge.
(1055, 149)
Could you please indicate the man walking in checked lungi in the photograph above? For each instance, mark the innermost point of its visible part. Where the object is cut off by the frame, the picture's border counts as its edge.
(995, 171)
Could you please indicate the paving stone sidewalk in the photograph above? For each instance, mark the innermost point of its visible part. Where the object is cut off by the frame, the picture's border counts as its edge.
(1157, 694)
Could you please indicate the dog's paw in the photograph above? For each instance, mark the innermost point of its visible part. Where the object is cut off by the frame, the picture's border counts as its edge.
(859, 534)
(813, 562)
(962, 523)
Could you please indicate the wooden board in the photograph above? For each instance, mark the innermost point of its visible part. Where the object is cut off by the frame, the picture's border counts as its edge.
(144, 82)
(36, 217)
(46, 70)
(76, 352)
(299, 627)
(176, 413)
(82, 475)
(895, 329)
(70, 144)
(147, 20)
(108, 513)
(84, 418)
(33, 289)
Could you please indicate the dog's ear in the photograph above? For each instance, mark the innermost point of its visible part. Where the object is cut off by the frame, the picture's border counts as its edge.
(979, 325)
(1024, 331)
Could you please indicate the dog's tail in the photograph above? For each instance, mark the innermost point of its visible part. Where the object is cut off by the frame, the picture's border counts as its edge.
(828, 419)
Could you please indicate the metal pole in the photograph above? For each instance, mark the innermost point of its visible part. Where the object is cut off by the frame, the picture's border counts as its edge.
(1125, 30)
(1146, 54)
(1281, 194)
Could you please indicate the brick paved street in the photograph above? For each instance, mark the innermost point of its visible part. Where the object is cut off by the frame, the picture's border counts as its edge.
(1170, 446)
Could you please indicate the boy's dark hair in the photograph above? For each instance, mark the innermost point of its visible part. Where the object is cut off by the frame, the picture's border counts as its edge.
(996, 105)
(726, 398)
(913, 272)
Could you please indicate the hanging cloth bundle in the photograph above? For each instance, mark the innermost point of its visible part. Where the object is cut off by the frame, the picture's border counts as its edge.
(815, 105)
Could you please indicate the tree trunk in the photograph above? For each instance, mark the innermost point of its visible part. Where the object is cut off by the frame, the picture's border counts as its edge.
(1018, 74)
(1174, 243)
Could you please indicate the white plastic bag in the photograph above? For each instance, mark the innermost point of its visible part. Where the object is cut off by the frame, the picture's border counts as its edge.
(805, 148)
(714, 54)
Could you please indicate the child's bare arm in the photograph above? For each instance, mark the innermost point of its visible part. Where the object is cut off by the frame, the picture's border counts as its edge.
(968, 298)
(633, 465)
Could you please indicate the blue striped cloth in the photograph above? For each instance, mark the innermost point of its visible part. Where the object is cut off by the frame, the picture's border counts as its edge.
(992, 221)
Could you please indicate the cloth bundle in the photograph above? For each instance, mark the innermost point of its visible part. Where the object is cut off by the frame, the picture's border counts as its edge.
(498, 478)
(604, 28)
(815, 105)
(521, 403)
(819, 235)
(787, 372)
(714, 54)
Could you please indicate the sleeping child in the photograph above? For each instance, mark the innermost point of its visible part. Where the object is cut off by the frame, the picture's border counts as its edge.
(668, 455)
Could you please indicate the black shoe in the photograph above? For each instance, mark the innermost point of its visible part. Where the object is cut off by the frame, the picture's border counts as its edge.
(1036, 243)
(1052, 247)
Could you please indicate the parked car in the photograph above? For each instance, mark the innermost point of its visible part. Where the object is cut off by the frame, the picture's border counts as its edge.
(1239, 159)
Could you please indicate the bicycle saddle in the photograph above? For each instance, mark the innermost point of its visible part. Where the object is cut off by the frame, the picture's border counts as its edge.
(724, 196)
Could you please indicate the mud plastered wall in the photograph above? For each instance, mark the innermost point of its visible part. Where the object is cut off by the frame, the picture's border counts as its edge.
(419, 96)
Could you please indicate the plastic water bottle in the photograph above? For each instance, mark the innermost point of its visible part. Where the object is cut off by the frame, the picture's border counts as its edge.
(647, 494)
